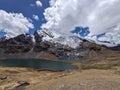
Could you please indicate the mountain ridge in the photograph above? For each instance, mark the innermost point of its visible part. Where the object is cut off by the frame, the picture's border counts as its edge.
(31, 46)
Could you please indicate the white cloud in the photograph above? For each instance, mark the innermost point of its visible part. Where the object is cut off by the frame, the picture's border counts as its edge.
(39, 3)
(113, 36)
(98, 15)
(14, 23)
(36, 17)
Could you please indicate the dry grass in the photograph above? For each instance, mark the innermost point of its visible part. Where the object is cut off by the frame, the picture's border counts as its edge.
(85, 80)
(95, 75)
(67, 80)
(97, 66)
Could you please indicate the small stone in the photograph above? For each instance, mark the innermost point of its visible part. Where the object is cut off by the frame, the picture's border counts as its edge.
(3, 77)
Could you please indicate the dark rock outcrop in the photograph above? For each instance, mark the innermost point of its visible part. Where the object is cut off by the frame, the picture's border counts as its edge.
(116, 48)
(38, 37)
(20, 44)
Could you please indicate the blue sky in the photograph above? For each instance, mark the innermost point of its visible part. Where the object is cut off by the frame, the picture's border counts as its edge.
(28, 8)
(24, 7)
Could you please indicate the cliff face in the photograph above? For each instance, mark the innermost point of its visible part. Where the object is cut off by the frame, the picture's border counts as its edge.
(27, 44)
(20, 44)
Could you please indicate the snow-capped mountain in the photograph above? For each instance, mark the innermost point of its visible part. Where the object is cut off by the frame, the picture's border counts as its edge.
(59, 45)
(55, 37)
(111, 38)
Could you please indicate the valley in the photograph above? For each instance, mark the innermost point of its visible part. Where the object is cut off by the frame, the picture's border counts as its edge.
(59, 45)
(98, 67)
(91, 75)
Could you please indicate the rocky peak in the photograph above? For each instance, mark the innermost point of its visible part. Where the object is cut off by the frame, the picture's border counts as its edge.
(21, 43)
(38, 37)
(24, 43)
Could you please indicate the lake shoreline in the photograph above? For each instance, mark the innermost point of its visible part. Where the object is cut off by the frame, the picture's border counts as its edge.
(40, 64)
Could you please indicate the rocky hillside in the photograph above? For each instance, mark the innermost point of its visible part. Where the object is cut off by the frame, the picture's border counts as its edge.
(30, 44)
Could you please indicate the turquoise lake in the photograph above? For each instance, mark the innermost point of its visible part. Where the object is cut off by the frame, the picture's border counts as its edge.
(37, 64)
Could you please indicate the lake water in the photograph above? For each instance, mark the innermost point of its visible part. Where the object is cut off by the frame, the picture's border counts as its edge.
(37, 63)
